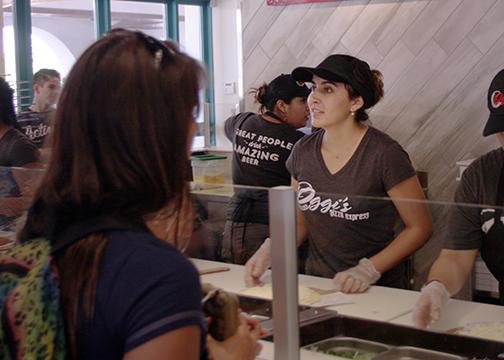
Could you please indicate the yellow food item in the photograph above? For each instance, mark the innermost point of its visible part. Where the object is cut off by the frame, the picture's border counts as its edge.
(306, 295)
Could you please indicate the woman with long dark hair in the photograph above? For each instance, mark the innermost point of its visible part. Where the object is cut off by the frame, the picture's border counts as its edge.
(120, 149)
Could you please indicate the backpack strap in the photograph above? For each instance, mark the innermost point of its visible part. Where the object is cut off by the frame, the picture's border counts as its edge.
(76, 231)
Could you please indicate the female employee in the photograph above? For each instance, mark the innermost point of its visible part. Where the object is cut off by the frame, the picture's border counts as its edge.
(471, 229)
(121, 140)
(261, 145)
(351, 238)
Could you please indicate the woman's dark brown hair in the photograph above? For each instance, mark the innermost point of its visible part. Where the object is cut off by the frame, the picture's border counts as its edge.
(283, 87)
(363, 73)
(120, 143)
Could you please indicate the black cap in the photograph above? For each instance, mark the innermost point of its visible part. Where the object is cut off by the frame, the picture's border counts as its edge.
(285, 87)
(495, 122)
(341, 68)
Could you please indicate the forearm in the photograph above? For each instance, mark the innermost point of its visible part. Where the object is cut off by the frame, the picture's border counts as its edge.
(301, 230)
(452, 268)
(406, 243)
(14, 206)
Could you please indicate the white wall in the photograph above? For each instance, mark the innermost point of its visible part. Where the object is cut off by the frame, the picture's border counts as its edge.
(227, 63)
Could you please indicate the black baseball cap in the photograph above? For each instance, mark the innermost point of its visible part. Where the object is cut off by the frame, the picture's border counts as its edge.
(285, 87)
(341, 68)
(495, 122)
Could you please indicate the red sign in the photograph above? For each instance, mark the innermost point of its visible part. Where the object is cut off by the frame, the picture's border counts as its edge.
(288, 2)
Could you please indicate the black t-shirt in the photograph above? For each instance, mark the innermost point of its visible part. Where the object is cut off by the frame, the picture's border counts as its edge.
(146, 288)
(35, 125)
(16, 149)
(344, 223)
(260, 150)
(467, 225)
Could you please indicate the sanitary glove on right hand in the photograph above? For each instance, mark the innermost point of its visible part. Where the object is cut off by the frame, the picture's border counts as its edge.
(428, 307)
(258, 264)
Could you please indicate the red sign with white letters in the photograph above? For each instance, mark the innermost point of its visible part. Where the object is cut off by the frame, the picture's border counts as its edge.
(288, 2)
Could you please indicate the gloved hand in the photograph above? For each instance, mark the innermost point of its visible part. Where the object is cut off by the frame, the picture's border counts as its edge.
(258, 264)
(428, 306)
(357, 278)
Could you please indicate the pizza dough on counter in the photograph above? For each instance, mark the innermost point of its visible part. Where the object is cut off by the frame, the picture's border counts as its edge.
(306, 295)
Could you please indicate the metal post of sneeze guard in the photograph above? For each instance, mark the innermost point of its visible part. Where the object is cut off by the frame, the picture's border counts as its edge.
(282, 218)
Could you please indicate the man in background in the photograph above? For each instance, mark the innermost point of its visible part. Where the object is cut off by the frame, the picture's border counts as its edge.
(36, 122)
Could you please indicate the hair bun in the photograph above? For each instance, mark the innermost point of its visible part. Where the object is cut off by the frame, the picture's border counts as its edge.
(378, 82)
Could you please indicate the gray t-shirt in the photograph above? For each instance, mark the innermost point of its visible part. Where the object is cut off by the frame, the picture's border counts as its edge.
(343, 225)
(478, 185)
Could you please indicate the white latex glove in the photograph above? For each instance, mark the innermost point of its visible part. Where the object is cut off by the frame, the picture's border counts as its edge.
(357, 278)
(258, 264)
(428, 306)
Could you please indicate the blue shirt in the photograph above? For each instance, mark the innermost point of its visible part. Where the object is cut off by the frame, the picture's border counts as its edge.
(146, 289)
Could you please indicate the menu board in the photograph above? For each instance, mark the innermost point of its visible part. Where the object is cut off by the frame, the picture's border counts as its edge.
(288, 2)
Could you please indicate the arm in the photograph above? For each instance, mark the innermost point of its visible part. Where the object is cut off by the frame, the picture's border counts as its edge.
(261, 260)
(27, 182)
(417, 225)
(418, 228)
(452, 268)
(177, 344)
(301, 230)
(447, 276)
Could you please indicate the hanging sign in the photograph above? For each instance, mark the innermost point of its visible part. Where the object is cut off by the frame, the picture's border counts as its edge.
(289, 2)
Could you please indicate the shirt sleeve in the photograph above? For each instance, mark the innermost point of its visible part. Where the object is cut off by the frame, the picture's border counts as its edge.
(464, 222)
(170, 302)
(24, 152)
(290, 164)
(396, 166)
(229, 127)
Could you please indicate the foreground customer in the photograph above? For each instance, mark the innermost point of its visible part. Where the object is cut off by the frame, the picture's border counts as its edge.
(121, 141)
(471, 229)
(351, 238)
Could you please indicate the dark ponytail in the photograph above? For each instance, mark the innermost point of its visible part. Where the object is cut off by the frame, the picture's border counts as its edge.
(283, 87)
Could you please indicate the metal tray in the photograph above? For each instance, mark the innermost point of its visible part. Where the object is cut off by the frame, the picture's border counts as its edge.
(348, 347)
(413, 353)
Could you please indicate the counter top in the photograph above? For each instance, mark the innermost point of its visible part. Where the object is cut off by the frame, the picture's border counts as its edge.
(378, 303)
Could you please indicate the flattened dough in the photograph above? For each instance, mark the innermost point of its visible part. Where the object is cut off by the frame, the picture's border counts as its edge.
(306, 295)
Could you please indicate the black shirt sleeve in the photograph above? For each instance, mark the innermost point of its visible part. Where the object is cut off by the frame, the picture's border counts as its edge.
(23, 152)
(396, 166)
(464, 222)
(229, 127)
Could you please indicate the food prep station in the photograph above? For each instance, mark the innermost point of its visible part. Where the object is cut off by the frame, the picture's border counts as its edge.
(376, 324)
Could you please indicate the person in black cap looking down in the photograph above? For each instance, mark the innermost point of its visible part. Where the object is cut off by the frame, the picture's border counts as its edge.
(351, 239)
(471, 229)
(262, 144)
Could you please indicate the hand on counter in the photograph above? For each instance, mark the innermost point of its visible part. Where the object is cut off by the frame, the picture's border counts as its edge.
(258, 264)
(358, 278)
(428, 307)
(243, 345)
